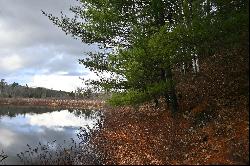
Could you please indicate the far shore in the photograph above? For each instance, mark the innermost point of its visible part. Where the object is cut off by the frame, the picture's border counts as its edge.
(53, 102)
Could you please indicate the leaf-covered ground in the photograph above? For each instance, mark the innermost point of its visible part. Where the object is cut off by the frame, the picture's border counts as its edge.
(212, 126)
(150, 136)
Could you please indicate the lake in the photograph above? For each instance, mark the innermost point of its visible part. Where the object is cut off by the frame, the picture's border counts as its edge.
(30, 131)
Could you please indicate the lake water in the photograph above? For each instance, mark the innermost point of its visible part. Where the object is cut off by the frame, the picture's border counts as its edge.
(20, 126)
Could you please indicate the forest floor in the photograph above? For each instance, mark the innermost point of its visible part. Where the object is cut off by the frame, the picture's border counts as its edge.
(211, 127)
(206, 135)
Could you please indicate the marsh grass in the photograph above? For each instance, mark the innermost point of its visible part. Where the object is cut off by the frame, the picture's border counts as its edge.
(71, 152)
(3, 156)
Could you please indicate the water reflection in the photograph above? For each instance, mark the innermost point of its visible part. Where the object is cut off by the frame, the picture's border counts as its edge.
(20, 126)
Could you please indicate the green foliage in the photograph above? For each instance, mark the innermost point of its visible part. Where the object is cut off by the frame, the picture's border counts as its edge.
(133, 97)
(141, 40)
(14, 85)
(127, 98)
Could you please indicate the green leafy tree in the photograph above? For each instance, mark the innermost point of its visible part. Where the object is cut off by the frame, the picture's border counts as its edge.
(122, 26)
(141, 40)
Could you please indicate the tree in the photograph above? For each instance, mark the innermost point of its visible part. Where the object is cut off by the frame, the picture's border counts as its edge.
(13, 86)
(141, 40)
(120, 25)
(72, 95)
(2, 86)
(87, 93)
(79, 92)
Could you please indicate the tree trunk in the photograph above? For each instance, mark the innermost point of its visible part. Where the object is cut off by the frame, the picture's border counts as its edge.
(171, 91)
(166, 74)
(156, 102)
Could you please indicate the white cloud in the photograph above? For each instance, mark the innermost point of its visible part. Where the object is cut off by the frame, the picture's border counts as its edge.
(31, 46)
(56, 82)
(10, 63)
(7, 137)
(59, 120)
(60, 82)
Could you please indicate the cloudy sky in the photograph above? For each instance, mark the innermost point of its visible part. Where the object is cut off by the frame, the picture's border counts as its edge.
(33, 51)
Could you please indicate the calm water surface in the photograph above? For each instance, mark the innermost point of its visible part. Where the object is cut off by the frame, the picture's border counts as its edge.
(20, 126)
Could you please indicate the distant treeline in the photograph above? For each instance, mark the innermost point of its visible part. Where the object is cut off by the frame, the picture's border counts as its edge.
(16, 90)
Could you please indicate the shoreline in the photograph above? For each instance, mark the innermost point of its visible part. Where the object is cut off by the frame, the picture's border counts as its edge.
(54, 103)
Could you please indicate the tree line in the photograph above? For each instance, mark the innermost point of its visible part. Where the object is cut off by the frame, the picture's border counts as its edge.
(142, 41)
(16, 90)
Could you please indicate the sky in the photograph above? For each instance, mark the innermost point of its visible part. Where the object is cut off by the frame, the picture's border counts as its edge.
(34, 51)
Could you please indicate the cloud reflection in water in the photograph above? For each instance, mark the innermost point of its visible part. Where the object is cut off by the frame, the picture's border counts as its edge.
(30, 128)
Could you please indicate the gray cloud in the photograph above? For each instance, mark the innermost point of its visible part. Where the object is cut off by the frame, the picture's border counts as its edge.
(23, 22)
(30, 44)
